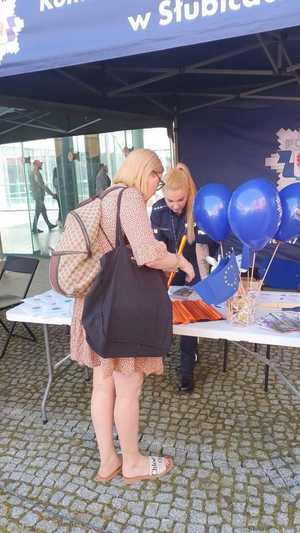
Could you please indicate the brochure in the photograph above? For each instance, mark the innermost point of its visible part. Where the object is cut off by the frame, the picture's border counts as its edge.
(283, 322)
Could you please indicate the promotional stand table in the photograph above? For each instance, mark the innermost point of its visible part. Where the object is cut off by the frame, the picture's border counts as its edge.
(51, 308)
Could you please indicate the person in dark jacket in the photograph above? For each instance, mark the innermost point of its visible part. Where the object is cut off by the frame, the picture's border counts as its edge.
(171, 218)
(102, 179)
(39, 189)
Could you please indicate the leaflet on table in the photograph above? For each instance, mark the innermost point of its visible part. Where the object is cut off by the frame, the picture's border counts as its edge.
(181, 293)
(48, 297)
(283, 322)
(47, 304)
(278, 299)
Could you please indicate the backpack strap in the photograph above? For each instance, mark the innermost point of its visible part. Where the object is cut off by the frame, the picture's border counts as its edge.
(111, 189)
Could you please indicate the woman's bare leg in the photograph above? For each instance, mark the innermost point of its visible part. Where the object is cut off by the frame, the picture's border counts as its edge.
(102, 411)
(128, 389)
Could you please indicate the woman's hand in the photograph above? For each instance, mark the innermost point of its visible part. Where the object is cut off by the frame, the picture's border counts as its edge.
(186, 267)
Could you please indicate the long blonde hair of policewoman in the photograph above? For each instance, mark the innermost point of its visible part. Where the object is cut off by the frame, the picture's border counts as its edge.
(180, 178)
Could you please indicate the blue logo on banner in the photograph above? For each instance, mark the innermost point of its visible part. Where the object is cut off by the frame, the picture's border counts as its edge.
(10, 27)
(286, 162)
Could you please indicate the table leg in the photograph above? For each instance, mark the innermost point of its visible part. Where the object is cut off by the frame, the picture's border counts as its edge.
(272, 365)
(267, 368)
(50, 374)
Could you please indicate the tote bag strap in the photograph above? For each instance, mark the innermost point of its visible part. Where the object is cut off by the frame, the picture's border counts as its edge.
(119, 234)
(118, 209)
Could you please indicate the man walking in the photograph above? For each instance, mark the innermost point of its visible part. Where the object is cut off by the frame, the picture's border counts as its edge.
(39, 189)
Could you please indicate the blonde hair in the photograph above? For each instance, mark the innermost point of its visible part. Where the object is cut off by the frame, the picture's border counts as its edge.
(137, 168)
(180, 178)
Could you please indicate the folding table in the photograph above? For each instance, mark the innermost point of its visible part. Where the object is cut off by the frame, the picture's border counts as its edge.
(51, 308)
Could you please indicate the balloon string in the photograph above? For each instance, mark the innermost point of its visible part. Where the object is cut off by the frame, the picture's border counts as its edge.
(252, 270)
(268, 267)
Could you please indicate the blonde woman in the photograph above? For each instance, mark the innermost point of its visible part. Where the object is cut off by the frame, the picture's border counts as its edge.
(117, 382)
(171, 218)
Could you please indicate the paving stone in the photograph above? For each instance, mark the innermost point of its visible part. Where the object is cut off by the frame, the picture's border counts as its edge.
(151, 523)
(166, 525)
(199, 518)
(29, 519)
(16, 512)
(231, 474)
(135, 520)
(47, 525)
(113, 528)
(151, 509)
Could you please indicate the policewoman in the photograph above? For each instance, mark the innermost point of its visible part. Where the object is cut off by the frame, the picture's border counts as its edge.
(171, 219)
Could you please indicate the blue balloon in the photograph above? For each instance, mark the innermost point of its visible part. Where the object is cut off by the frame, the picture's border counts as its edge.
(210, 210)
(254, 212)
(290, 222)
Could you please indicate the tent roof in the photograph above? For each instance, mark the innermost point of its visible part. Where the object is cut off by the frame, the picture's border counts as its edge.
(46, 34)
(83, 66)
(147, 90)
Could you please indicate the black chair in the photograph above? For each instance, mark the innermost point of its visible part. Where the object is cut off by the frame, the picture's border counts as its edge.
(15, 280)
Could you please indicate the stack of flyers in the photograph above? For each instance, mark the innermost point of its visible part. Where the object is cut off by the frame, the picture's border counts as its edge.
(183, 293)
(283, 322)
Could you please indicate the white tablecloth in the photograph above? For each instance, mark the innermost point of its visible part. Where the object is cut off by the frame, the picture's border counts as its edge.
(52, 308)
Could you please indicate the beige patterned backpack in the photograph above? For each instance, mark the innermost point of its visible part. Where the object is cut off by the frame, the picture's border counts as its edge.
(75, 263)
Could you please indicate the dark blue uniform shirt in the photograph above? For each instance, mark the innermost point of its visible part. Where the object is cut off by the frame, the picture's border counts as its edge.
(169, 228)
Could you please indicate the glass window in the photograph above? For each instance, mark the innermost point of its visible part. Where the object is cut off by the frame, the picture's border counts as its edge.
(18, 205)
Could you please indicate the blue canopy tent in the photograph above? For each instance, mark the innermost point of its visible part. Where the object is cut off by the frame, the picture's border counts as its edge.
(152, 63)
(216, 72)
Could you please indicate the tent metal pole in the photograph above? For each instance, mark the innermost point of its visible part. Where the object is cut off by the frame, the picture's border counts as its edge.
(292, 68)
(84, 125)
(37, 126)
(208, 104)
(220, 57)
(223, 71)
(148, 81)
(174, 72)
(267, 87)
(175, 140)
(267, 52)
(235, 72)
(158, 70)
(81, 83)
(261, 97)
(25, 123)
(168, 93)
(152, 100)
(290, 63)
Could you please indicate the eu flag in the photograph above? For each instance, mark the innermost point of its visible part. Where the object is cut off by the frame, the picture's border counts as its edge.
(222, 283)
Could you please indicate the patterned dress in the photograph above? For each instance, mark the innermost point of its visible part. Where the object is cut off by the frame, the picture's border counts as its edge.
(136, 226)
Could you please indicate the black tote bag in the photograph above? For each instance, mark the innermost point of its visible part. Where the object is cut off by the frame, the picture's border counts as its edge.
(127, 311)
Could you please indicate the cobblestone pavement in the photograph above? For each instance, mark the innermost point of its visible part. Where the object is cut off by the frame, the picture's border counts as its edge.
(236, 449)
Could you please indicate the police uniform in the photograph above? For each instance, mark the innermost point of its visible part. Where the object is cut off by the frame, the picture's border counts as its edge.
(169, 227)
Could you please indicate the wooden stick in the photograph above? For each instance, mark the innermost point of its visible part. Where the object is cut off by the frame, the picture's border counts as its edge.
(268, 267)
(222, 250)
(252, 270)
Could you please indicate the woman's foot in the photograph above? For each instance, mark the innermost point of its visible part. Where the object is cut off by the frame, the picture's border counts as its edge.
(146, 468)
(111, 468)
